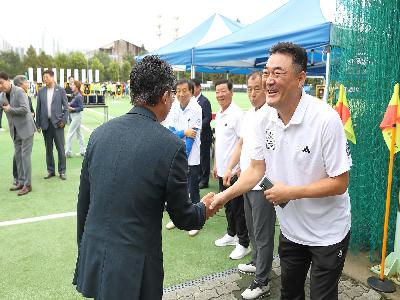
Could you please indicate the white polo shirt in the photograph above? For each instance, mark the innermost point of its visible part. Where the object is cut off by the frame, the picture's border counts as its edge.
(190, 117)
(227, 133)
(312, 146)
(249, 123)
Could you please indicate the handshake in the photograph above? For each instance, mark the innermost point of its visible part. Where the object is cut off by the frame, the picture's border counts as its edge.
(213, 203)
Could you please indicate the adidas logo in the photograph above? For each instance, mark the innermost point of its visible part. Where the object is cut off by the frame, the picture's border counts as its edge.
(306, 150)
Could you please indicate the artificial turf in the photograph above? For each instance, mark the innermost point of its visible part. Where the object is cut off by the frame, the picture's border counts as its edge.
(37, 260)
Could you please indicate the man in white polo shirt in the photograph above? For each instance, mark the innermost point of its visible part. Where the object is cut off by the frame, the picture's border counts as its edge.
(184, 120)
(260, 214)
(302, 149)
(227, 133)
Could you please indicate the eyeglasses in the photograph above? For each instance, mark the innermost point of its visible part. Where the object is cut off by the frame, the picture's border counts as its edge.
(278, 73)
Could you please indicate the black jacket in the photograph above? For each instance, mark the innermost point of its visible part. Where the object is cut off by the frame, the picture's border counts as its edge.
(133, 166)
(206, 133)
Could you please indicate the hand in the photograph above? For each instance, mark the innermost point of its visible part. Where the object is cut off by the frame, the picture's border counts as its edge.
(207, 199)
(214, 172)
(190, 132)
(226, 180)
(6, 108)
(60, 124)
(39, 129)
(218, 202)
(71, 108)
(278, 194)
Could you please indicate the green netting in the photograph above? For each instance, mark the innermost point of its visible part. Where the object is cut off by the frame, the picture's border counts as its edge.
(366, 59)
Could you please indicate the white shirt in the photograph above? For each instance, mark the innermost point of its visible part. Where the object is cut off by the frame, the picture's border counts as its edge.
(312, 146)
(190, 117)
(227, 133)
(50, 93)
(249, 123)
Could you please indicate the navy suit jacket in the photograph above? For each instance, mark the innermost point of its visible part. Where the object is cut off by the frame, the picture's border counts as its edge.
(206, 133)
(132, 167)
(59, 108)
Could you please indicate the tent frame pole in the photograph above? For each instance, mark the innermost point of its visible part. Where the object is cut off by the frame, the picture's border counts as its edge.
(327, 72)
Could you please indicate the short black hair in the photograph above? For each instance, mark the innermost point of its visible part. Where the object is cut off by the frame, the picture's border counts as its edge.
(189, 83)
(4, 75)
(50, 72)
(254, 74)
(298, 53)
(224, 81)
(149, 79)
(195, 81)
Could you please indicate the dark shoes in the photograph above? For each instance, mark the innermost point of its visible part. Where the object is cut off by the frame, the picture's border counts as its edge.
(63, 177)
(25, 190)
(16, 187)
(49, 175)
(203, 185)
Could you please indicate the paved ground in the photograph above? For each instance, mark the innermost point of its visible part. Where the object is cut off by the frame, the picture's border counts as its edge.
(230, 284)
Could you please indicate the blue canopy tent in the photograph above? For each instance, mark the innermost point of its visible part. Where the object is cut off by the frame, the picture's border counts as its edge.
(298, 21)
(180, 51)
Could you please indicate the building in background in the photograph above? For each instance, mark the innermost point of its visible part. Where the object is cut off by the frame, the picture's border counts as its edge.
(117, 50)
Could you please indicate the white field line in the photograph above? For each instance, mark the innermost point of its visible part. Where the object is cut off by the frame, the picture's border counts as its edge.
(87, 129)
(99, 113)
(37, 219)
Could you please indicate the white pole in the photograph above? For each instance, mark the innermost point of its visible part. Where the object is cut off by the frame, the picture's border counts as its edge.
(192, 67)
(328, 65)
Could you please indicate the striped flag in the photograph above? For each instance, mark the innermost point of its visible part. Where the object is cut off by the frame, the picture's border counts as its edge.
(342, 107)
(392, 119)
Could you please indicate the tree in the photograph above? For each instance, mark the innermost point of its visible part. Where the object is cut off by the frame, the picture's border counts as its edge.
(143, 50)
(11, 63)
(130, 58)
(125, 70)
(61, 61)
(31, 59)
(97, 65)
(77, 60)
(103, 58)
(113, 71)
(45, 61)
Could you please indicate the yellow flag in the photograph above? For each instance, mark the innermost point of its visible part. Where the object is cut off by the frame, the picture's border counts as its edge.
(392, 119)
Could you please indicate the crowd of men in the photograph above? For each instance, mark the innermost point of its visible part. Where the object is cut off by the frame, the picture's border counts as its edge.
(157, 157)
(52, 114)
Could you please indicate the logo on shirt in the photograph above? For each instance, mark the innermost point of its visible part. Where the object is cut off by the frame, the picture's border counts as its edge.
(340, 254)
(306, 149)
(270, 139)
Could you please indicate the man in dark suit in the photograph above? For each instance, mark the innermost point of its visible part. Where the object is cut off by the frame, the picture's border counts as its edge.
(205, 136)
(14, 102)
(51, 117)
(132, 167)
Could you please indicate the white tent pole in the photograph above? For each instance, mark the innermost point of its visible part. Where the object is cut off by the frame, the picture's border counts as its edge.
(192, 67)
(328, 65)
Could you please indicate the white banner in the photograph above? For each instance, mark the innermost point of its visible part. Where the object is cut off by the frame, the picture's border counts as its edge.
(96, 76)
(68, 73)
(39, 75)
(30, 74)
(62, 77)
(76, 74)
(90, 75)
(83, 75)
(55, 74)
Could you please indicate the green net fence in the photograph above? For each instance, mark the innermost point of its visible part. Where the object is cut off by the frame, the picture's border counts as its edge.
(366, 59)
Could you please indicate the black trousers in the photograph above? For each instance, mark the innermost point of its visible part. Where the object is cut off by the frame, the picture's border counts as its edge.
(55, 135)
(193, 183)
(205, 147)
(326, 268)
(235, 217)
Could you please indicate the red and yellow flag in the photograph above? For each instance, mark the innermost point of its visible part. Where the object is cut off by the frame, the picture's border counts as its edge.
(342, 107)
(392, 119)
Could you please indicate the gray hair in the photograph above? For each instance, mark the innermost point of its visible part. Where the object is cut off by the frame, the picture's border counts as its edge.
(19, 80)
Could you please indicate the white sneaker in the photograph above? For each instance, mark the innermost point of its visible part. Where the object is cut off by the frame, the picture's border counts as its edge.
(193, 232)
(256, 291)
(226, 240)
(248, 269)
(2, 129)
(239, 252)
(170, 225)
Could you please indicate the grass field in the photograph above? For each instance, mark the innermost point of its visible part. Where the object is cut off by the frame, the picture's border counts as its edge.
(37, 260)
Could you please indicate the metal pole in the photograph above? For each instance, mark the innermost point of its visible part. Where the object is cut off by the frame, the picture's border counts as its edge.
(328, 65)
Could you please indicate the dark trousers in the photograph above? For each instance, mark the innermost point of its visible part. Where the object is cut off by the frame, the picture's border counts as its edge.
(235, 217)
(260, 220)
(1, 117)
(326, 268)
(193, 183)
(55, 135)
(15, 170)
(205, 147)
